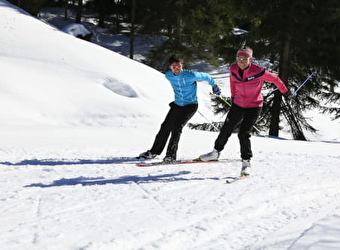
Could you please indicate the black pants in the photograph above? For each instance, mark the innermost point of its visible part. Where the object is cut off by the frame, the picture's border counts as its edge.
(247, 117)
(173, 124)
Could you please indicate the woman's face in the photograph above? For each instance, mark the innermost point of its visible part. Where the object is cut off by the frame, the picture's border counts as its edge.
(243, 62)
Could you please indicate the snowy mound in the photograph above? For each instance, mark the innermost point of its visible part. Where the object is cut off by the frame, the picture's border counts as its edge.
(49, 77)
(76, 29)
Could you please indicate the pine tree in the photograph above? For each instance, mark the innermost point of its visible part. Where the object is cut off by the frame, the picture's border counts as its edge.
(33, 6)
(192, 28)
(297, 36)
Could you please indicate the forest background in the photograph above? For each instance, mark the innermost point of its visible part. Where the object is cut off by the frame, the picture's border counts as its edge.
(295, 38)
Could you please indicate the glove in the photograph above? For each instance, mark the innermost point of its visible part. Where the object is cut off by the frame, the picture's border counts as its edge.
(216, 90)
(288, 95)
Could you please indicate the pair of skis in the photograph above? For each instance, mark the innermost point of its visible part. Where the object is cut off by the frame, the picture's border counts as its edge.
(181, 162)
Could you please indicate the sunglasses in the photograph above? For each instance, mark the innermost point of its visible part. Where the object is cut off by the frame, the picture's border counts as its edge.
(242, 59)
(176, 66)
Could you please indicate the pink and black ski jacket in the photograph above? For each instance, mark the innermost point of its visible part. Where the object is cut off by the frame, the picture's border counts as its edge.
(246, 90)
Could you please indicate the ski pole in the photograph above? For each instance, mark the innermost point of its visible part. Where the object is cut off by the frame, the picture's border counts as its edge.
(210, 122)
(223, 99)
(294, 93)
(304, 82)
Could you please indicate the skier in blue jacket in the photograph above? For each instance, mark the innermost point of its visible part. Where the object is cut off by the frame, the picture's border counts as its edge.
(181, 110)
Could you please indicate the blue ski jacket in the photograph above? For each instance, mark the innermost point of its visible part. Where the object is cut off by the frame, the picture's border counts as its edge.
(185, 87)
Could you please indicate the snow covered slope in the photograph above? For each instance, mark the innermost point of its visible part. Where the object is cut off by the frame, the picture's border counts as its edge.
(50, 77)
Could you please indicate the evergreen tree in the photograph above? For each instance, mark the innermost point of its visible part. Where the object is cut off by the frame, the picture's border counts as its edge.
(111, 13)
(192, 28)
(297, 36)
(33, 6)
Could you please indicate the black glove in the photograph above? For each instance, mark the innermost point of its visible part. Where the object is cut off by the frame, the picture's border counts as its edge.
(288, 95)
(216, 90)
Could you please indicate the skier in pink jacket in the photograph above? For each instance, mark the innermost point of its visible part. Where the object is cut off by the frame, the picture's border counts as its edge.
(246, 81)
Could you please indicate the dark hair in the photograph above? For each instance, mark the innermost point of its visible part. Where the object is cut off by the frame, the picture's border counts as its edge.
(175, 58)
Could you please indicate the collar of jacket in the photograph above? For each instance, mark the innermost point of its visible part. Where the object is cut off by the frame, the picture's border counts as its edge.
(249, 78)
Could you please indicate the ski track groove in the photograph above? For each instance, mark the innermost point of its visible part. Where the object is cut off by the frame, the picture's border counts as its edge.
(259, 215)
(149, 196)
(38, 215)
(242, 239)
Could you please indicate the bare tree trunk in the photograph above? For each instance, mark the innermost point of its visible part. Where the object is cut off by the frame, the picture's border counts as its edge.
(287, 109)
(132, 29)
(65, 9)
(276, 109)
(102, 13)
(79, 11)
(275, 115)
(117, 21)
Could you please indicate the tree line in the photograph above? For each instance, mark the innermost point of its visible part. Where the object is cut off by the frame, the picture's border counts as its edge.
(296, 36)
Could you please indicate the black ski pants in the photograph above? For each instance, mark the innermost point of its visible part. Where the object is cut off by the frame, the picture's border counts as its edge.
(173, 124)
(247, 117)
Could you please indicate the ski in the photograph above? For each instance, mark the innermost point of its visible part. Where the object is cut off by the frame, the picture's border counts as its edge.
(230, 180)
(179, 162)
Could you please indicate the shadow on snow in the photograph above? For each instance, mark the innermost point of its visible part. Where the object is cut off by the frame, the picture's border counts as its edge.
(56, 162)
(128, 179)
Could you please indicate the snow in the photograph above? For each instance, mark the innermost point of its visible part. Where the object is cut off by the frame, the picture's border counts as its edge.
(76, 29)
(70, 110)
